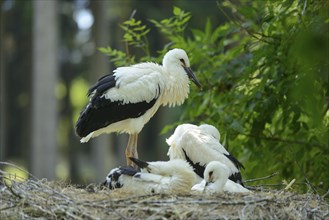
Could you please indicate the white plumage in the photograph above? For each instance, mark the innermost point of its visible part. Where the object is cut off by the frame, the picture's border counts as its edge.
(169, 177)
(200, 145)
(126, 100)
(216, 180)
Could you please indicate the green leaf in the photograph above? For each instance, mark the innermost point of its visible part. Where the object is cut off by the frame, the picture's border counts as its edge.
(177, 11)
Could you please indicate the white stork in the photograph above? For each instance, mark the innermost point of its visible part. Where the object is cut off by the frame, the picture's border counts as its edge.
(171, 177)
(216, 180)
(200, 145)
(126, 100)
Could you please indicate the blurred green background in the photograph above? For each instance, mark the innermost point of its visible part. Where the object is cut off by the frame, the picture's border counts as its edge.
(263, 66)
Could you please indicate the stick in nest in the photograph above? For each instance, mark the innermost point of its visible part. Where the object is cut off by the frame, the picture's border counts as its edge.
(30, 175)
(288, 186)
(261, 178)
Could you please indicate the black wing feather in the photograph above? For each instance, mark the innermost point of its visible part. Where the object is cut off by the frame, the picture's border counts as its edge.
(129, 171)
(236, 177)
(104, 83)
(199, 169)
(101, 112)
(235, 161)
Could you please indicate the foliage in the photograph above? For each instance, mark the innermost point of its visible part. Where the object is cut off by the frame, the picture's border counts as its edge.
(174, 27)
(118, 57)
(265, 79)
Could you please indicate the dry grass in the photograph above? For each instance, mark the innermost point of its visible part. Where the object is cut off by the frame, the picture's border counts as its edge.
(56, 200)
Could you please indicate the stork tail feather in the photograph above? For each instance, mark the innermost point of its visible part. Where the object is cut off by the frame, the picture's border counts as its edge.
(141, 164)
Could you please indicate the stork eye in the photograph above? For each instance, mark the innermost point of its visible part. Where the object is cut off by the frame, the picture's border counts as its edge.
(182, 61)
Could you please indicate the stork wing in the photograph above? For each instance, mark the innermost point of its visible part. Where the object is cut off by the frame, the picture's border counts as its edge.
(199, 149)
(215, 145)
(231, 186)
(138, 83)
(151, 178)
(128, 93)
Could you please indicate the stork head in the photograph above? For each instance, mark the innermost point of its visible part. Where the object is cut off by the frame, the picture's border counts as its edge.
(177, 60)
(216, 173)
(211, 130)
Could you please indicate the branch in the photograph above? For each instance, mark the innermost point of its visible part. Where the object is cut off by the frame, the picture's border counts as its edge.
(30, 175)
(12, 191)
(287, 187)
(237, 22)
(126, 43)
(304, 174)
(326, 194)
(261, 178)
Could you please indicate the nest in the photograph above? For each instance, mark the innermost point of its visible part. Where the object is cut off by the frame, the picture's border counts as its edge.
(55, 200)
(42, 199)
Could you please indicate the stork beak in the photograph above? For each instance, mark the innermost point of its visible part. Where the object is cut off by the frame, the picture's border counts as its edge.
(205, 186)
(192, 76)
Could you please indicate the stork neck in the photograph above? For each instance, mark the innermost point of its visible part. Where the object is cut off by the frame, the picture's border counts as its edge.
(219, 184)
(176, 88)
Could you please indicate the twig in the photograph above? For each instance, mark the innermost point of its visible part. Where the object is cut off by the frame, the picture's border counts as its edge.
(270, 185)
(137, 197)
(304, 174)
(19, 168)
(326, 194)
(261, 178)
(10, 176)
(287, 187)
(237, 22)
(8, 207)
(126, 43)
(12, 191)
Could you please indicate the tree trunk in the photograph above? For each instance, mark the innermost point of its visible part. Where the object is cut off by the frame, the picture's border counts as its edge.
(44, 104)
(2, 90)
(102, 153)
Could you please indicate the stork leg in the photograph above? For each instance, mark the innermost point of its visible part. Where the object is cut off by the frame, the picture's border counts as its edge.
(131, 150)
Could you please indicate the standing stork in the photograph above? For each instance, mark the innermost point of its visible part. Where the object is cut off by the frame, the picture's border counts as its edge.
(127, 99)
